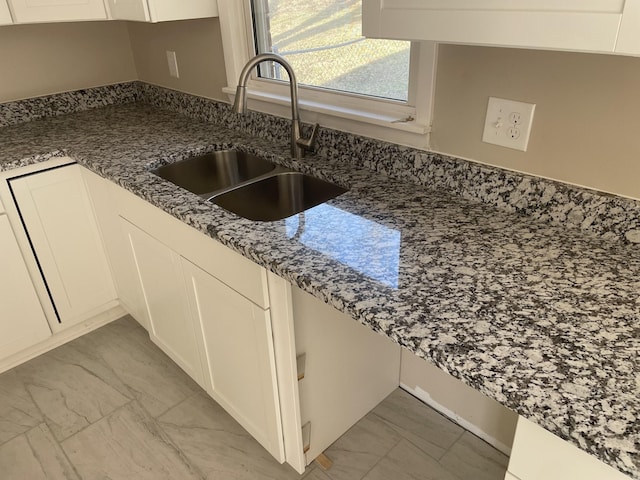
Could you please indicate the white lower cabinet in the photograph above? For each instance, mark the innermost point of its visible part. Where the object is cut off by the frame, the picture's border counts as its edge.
(22, 321)
(538, 454)
(348, 370)
(239, 353)
(61, 229)
(171, 326)
(240, 332)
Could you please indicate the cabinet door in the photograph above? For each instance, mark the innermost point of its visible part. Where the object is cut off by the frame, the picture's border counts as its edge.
(33, 11)
(22, 321)
(171, 325)
(162, 10)
(57, 214)
(238, 346)
(5, 16)
(629, 36)
(586, 25)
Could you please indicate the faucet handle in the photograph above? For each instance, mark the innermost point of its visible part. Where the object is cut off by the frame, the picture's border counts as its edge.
(308, 143)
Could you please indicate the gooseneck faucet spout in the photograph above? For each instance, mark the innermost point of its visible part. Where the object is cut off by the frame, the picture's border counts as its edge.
(298, 143)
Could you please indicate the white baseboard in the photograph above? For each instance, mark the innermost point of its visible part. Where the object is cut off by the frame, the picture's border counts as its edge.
(424, 396)
(61, 338)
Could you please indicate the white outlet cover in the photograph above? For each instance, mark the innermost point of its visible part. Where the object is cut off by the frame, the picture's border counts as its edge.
(508, 123)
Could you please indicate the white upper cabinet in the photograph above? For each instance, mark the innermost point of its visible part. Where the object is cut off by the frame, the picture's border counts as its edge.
(162, 10)
(578, 25)
(629, 36)
(5, 15)
(35, 11)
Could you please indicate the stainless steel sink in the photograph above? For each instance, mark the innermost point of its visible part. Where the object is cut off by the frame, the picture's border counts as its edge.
(278, 196)
(212, 172)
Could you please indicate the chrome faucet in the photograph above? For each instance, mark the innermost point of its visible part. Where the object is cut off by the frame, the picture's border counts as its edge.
(298, 143)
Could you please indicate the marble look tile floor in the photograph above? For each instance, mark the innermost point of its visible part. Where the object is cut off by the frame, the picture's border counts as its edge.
(111, 405)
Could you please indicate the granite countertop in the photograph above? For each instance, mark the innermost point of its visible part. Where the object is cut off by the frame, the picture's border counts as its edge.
(541, 318)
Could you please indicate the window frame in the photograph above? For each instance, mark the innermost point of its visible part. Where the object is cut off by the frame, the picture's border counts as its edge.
(391, 120)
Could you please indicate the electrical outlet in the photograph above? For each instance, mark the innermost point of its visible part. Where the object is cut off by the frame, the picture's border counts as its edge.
(508, 123)
(172, 61)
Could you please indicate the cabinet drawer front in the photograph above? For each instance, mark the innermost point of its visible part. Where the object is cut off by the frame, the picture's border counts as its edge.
(236, 271)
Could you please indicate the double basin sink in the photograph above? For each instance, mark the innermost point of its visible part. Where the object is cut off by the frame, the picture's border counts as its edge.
(248, 185)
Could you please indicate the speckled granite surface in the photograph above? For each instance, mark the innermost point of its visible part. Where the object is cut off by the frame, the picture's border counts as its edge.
(606, 216)
(542, 318)
(31, 109)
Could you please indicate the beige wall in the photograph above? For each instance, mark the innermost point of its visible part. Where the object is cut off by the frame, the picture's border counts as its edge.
(482, 415)
(586, 128)
(51, 58)
(198, 48)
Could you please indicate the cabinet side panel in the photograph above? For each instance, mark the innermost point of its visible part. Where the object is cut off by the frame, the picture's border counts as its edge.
(116, 245)
(136, 10)
(629, 36)
(22, 321)
(539, 454)
(285, 354)
(349, 369)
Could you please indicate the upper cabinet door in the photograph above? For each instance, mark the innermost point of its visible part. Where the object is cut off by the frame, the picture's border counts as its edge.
(162, 10)
(582, 25)
(629, 36)
(34, 11)
(5, 16)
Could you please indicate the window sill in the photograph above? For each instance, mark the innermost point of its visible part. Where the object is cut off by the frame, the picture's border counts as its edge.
(265, 102)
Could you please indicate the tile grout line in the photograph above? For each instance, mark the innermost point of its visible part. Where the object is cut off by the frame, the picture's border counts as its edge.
(398, 429)
(173, 445)
(64, 453)
(452, 445)
(383, 457)
(91, 424)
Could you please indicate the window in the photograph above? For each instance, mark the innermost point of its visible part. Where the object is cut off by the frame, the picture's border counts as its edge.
(377, 88)
(322, 42)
